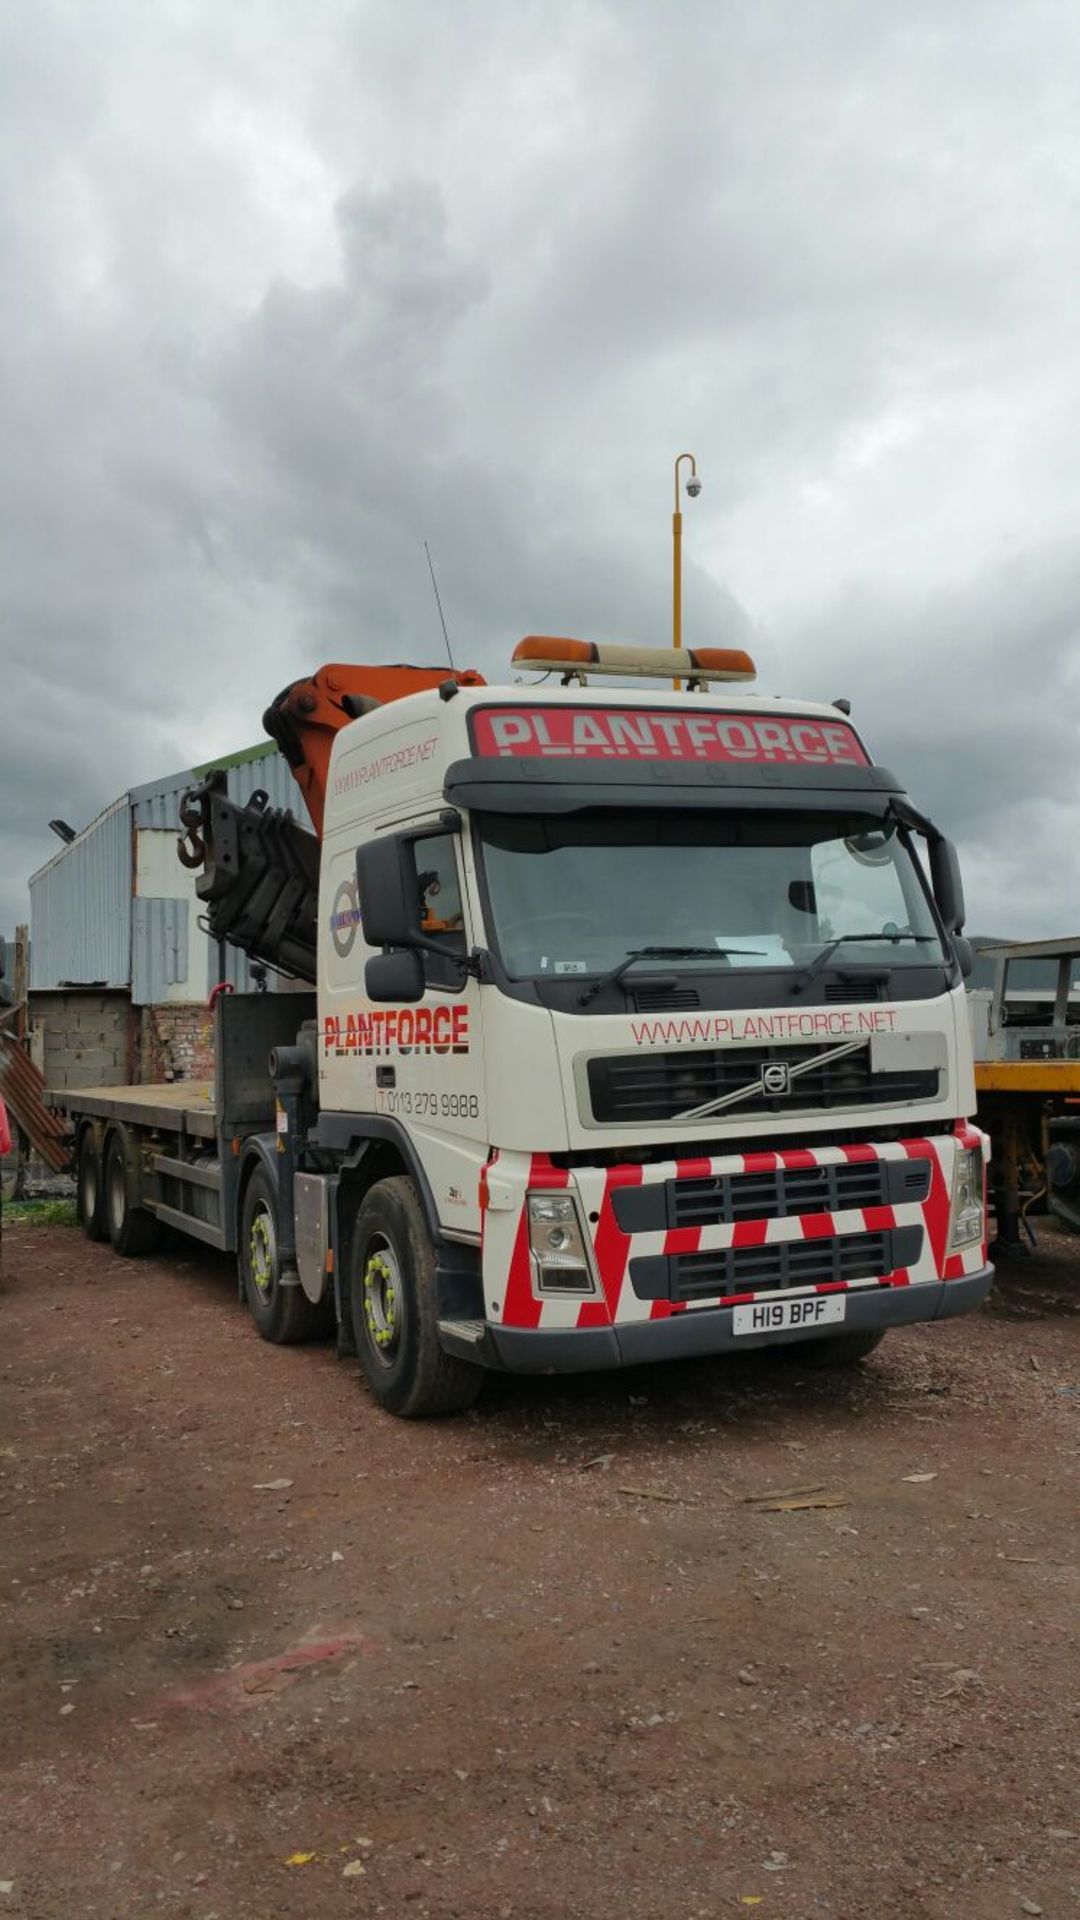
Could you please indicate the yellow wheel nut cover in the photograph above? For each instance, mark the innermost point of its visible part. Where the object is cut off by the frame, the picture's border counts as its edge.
(379, 1273)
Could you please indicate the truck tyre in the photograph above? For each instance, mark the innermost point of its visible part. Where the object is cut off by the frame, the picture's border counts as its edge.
(132, 1230)
(392, 1299)
(837, 1349)
(283, 1315)
(89, 1196)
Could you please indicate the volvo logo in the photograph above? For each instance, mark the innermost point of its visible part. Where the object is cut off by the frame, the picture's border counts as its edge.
(776, 1077)
(345, 919)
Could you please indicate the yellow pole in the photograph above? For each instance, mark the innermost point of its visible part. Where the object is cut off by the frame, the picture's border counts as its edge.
(676, 549)
(676, 596)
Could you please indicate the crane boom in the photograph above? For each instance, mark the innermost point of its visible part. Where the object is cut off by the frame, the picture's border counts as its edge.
(258, 867)
(306, 715)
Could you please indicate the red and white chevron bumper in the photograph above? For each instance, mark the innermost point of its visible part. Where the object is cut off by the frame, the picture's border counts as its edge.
(691, 1239)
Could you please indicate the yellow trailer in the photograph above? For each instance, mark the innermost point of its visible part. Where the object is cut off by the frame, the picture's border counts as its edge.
(1027, 1077)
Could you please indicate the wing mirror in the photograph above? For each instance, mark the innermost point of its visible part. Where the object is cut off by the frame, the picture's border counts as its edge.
(395, 976)
(389, 892)
(947, 884)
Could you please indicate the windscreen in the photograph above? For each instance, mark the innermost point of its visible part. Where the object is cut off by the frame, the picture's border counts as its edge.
(575, 895)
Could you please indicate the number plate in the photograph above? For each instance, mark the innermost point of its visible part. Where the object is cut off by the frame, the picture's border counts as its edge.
(774, 1316)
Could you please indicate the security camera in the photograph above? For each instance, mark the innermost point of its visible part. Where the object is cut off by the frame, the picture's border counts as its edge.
(693, 486)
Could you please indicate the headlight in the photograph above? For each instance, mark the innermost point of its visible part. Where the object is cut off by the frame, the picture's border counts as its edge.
(968, 1217)
(560, 1261)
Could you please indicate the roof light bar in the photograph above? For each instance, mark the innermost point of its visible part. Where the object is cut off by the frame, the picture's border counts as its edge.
(574, 658)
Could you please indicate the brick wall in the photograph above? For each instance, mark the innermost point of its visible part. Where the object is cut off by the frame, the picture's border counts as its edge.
(82, 1037)
(176, 1041)
(87, 1038)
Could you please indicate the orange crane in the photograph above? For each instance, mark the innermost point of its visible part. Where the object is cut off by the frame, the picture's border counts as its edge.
(306, 716)
(259, 876)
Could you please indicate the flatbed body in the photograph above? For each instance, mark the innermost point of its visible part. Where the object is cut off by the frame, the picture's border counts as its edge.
(176, 1106)
(186, 1141)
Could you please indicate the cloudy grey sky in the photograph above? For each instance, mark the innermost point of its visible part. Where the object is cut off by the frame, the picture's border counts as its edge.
(289, 289)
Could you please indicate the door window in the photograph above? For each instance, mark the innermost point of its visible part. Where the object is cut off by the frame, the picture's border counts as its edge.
(442, 916)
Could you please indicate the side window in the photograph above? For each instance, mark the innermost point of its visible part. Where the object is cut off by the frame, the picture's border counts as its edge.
(442, 916)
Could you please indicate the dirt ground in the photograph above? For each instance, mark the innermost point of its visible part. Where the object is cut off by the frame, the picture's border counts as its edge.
(267, 1652)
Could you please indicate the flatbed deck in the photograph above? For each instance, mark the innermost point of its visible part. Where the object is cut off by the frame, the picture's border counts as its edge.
(174, 1105)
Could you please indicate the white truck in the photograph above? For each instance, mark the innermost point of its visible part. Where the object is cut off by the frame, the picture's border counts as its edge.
(638, 1031)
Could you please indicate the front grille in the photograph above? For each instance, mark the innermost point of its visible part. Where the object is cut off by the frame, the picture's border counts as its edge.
(789, 1264)
(660, 1086)
(775, 1194)
(765, 1196)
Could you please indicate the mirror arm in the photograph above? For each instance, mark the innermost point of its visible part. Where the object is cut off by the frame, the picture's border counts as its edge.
(909, 816)
(473, 965)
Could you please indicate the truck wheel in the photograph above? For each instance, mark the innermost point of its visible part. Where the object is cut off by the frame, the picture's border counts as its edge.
(283, 1315)
(132, 1230)
(88, 1193)
(837, 1349)
(394, 1309)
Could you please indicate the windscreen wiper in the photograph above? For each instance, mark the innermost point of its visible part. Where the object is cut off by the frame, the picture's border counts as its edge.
(659, 953)
(819, 959)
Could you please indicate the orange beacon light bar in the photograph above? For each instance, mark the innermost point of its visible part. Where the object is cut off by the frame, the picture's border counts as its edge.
(573, 659)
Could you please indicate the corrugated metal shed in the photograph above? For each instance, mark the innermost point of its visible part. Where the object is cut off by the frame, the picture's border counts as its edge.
(159, 949)
(88, 928)
(157, 804)
(80, 908)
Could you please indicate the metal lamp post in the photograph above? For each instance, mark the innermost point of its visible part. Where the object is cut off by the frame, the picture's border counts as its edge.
(693, 488)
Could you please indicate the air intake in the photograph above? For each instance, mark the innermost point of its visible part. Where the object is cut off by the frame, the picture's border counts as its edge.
(663, 999)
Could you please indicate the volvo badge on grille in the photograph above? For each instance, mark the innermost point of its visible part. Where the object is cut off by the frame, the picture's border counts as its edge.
(776, 1077)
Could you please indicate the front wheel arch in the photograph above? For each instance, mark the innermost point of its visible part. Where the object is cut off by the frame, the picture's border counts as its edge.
(376, 1160)
(394, 1314)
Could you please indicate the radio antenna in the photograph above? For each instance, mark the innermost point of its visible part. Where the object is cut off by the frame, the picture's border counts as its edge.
(438, 603)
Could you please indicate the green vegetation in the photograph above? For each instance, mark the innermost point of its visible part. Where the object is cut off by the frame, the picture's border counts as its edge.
(40, 1213)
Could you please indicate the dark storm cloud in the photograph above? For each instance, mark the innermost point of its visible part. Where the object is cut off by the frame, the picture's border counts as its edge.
(973, 695)
(342, 402)
(285, 300)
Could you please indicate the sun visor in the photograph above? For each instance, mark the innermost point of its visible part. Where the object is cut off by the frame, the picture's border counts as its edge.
(533, 785)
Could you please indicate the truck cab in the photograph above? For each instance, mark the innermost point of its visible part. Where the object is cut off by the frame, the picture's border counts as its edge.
(647, 1007)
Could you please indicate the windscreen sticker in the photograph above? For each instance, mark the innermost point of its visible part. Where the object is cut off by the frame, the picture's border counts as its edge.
(398, 1030)
(610, 733)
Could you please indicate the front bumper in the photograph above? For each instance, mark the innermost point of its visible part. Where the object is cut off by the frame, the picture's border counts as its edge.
(700, 1331)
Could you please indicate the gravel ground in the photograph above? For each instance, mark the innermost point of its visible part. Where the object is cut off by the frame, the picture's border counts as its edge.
(267, 1652)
